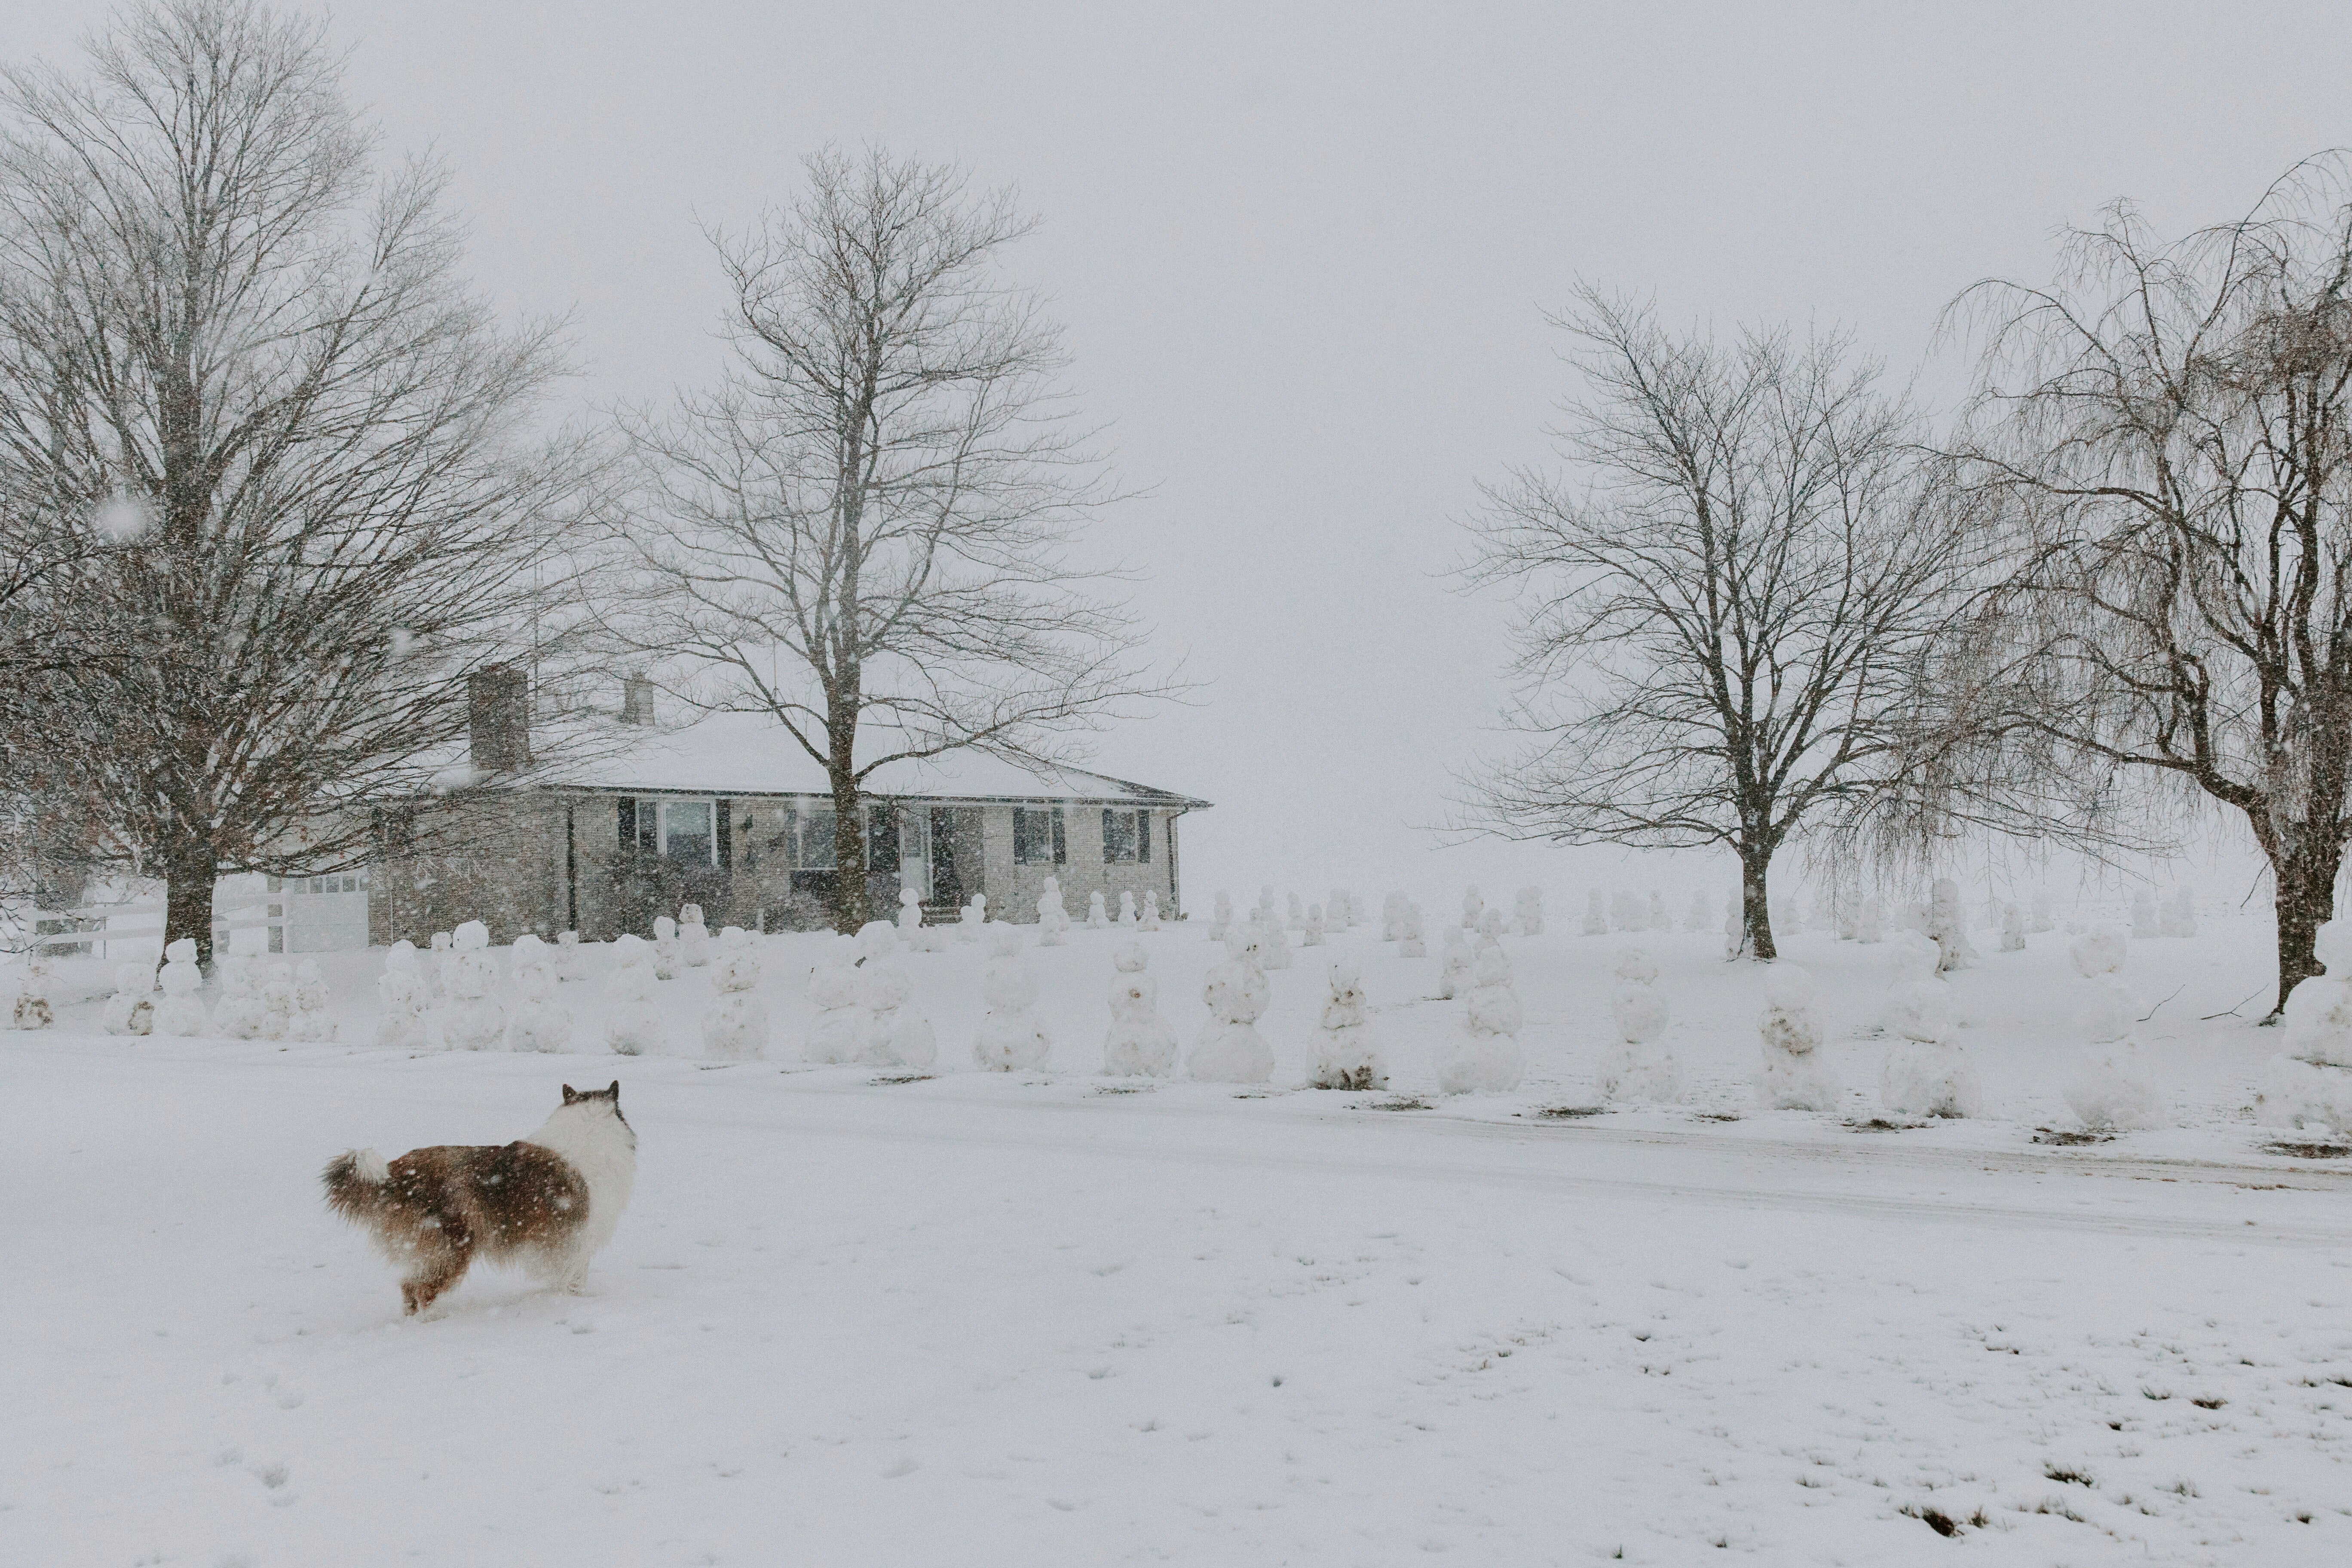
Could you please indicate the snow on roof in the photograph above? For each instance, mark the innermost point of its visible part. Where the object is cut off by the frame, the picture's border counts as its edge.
(749, 754)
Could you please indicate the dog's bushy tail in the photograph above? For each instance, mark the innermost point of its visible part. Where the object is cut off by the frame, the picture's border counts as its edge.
(354, 1181)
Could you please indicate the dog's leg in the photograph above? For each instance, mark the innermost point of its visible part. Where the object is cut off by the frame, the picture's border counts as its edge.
(439, 1276)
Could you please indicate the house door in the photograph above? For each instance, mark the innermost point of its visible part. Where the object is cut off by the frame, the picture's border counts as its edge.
(326, 914)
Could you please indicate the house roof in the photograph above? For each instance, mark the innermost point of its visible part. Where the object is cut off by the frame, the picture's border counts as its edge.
(736, 754)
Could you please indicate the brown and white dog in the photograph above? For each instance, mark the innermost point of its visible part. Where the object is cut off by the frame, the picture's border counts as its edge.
(549, 1202)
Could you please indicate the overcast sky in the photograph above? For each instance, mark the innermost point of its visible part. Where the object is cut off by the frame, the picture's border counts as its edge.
(1304, 253)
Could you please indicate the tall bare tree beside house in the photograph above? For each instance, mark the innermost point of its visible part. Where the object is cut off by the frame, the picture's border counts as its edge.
(2169, 423)
(865, 532)
(1723, 606)
(218, 317)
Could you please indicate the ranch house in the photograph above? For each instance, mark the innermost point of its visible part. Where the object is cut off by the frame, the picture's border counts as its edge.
(727, 812)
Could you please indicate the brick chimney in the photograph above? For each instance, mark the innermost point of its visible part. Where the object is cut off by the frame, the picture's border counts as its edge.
(498, 710)
(637, 699)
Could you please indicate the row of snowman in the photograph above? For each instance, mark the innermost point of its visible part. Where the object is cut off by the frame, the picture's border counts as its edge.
(1053, 922)
(867, 1014)
(258, 1000)
(449, 1006)
(1272, 926)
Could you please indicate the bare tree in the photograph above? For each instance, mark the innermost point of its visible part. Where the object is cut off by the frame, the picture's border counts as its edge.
(865, 532)
(227, 339)
(2170, 425)
(1722, 614)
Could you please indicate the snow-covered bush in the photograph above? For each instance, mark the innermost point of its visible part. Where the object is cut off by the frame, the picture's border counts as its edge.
(1794, 1077)
(895, 1032)
(1411, 942)
(1229, 1049)
(539, 1022)
(1011, 1039)
(1052, 920)
(1311, 933)
(2309, 1082)
(1931, 1077)
(1346, 1053)
(469, 1018)
(665, 953)
(237, 1015)
(735, 1025)
(1484, 1057)
(693, 937)
(181, 1012)
(833, 986)
(1140, 1043)
(632, 1022)
(1640, 1067)
(1527, 911)
(2112, 1088)
(401, 999)
(314, 1019)
(1454, 965)
(131, 1009)
(1596, 916)
(29, 995)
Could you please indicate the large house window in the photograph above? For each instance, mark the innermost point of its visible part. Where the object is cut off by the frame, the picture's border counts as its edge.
(1038, 836)
(687, 831)
(1126, 836)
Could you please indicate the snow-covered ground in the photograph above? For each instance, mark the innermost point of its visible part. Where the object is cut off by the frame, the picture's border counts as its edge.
(1048, 1317)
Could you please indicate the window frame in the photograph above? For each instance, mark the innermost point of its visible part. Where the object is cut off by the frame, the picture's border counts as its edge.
(1056, 831)
(1137, 822)
(652, 826)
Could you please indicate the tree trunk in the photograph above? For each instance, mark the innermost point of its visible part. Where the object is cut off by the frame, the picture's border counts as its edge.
(1755, 912)
(2305, 877)
(189, 873)
(849, 906)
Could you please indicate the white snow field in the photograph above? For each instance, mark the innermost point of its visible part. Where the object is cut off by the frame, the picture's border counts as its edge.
(1047, 1318)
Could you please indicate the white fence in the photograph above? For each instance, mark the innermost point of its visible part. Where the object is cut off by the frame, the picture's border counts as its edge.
(90, 928)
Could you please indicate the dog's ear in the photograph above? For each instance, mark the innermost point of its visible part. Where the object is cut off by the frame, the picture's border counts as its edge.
(569, 1094)
(615, 1092)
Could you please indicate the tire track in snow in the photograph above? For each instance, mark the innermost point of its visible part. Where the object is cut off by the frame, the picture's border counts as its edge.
(1667, 1189)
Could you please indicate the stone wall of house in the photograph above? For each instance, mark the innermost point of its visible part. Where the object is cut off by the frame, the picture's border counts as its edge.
(1013, 890)
(543, 862)
(496, 858)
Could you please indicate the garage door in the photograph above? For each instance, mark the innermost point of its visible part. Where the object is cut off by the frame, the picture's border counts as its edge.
(326, 914)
